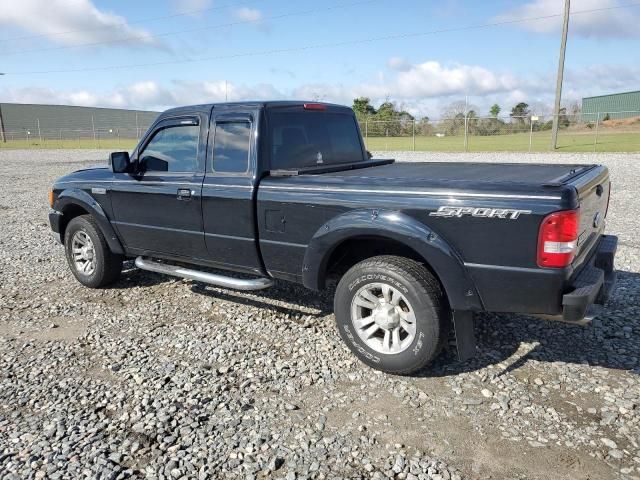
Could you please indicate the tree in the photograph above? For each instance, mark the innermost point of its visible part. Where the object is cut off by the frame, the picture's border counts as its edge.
(472, 122)
(520, 114)
(563, 119)
(453, 117)
(423, 127)
(363, 108)
(520, 110)
(388, 120)
(454, 109)
(495, 110)
(575, 110)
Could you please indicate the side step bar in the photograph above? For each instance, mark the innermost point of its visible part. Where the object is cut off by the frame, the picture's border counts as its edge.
(210, 278)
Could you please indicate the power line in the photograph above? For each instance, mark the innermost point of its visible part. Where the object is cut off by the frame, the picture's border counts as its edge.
(318, 46)
(191, 30)
(134, 22)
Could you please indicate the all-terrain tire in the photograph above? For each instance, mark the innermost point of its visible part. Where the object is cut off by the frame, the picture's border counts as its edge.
(107, 265)
(420, 293)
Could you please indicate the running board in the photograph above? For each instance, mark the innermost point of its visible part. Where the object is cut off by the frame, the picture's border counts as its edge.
(210, 278)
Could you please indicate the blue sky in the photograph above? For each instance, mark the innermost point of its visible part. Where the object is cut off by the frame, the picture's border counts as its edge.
(425, 73)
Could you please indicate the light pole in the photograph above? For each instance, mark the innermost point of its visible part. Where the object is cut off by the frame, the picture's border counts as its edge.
(2, 135)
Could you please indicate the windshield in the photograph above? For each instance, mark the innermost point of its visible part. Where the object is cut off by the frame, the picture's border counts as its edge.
(305, 139)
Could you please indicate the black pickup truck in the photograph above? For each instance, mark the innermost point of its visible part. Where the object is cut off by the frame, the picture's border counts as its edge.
(287, 190)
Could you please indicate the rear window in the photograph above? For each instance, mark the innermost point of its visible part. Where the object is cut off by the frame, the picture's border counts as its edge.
(304, 139)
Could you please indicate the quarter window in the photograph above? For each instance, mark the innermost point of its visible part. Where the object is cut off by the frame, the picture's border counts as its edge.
(231, 147)
(172, 149)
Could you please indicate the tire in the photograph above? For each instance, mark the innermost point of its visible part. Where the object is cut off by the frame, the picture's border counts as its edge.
(93, 270)
(419, 298)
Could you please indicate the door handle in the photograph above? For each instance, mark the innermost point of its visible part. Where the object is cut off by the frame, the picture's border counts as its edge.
(184, 194)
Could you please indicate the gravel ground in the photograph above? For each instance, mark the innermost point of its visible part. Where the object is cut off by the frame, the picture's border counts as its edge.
(164, 378)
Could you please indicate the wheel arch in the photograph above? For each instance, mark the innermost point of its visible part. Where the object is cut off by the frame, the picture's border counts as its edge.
(356, 235)
(75, 202)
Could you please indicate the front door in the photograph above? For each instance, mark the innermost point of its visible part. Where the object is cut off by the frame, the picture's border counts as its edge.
(228, 191)
(159, 210)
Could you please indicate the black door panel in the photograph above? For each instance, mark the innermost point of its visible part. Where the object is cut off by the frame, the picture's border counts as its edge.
(159, 209)
(151, 216)
(229, 224)
(228, 203)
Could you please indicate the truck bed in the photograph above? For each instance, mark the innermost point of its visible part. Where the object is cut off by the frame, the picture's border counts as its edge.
(296, 206)
(538, 174)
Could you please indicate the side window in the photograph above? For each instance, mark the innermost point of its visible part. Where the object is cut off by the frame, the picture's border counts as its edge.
(172, 149)
(231, 147)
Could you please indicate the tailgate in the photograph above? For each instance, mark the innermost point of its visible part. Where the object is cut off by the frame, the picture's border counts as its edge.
(593, 194)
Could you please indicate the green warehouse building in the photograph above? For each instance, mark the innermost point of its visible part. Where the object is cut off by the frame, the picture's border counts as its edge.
(616, 105)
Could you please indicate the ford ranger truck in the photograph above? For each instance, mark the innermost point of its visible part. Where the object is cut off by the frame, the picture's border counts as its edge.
(287, 191)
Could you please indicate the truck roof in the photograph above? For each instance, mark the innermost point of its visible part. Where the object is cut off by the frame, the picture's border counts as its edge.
(206, 107)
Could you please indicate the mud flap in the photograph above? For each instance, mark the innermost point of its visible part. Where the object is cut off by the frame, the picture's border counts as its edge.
(465, 337)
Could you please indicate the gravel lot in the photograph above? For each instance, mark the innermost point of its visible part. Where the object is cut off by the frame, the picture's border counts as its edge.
(164, 378)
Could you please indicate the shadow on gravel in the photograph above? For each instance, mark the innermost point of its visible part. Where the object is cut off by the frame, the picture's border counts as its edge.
(610, 341)
(298, 299)
(133, 276)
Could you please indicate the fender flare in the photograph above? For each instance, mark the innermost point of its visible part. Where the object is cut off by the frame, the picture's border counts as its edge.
(436, 252)
(75, 197)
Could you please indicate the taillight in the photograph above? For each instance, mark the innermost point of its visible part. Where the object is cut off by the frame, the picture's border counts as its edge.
(558, 239)
(51, 199)
(314, 106)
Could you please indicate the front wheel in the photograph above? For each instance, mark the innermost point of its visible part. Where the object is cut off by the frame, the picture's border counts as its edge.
(88, 254)
(392, 314)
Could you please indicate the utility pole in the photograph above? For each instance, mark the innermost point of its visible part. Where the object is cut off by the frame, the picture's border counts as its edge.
(2, 134)
(563, 49)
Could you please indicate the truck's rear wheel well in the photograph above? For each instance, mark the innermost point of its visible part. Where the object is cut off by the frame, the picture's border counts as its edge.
(354, 250)
(70, 212)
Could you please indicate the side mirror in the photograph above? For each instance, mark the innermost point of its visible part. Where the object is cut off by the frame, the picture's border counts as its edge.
(369, 155)
(120, 162)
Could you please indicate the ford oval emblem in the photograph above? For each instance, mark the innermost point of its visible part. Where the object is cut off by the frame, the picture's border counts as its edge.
(597, 220)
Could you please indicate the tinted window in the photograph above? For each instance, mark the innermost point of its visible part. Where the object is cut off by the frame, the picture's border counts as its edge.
(313, 138)
(231, 147)
(172, 149)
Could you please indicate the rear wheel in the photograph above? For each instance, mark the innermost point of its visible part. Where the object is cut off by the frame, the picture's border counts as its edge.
(392, 314)
(88, 254)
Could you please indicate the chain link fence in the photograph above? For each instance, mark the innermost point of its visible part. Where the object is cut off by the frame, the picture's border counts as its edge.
(64, 126)
(594, 132)
(113, 138)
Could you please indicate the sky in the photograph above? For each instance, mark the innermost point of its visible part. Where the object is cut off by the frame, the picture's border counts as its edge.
(422, 55)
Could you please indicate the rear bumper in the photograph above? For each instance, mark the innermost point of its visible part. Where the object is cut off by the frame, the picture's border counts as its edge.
(593, 284)
(55, 220)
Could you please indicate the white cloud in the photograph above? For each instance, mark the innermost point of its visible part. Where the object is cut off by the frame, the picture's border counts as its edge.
(398, 63)
(249, 14)
(191, 5)
(422, 89)
(70, 22)
(431, 79)
(606, 77)
(619, 22)
(420, 84)
(146, 94)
